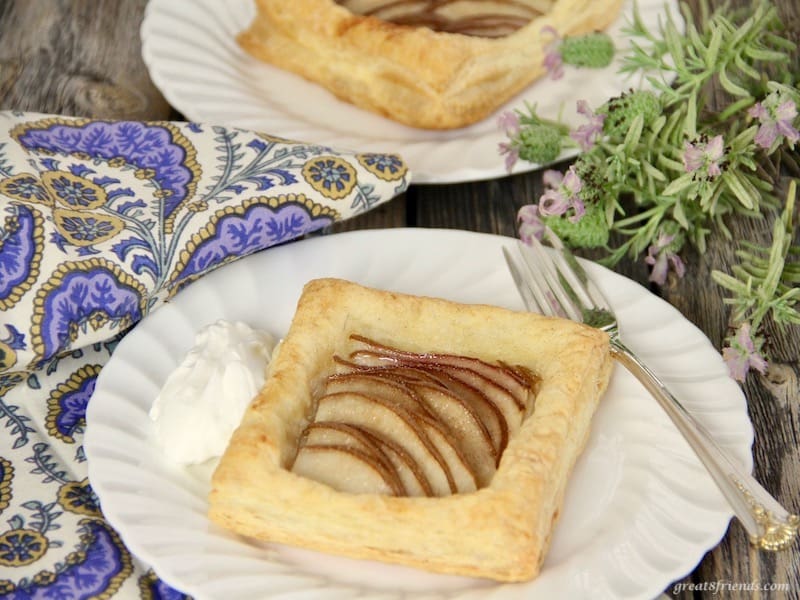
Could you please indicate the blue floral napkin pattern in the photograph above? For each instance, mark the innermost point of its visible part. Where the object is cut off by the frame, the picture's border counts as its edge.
(100, 223)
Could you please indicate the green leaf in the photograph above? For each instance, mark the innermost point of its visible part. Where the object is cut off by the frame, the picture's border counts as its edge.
(765, 55)
(729, 283)
(656, 126)
(713, 47)
(745, 29)
(739, 106)
(634, 133)
(674, 42)
(672, 129)
(690, 123)
(668, 163)
(728, 85)
(776, 41)
(746, 68)
(652, 171)
(740, 143)
(735, 185)
(679, 215)
(678, 185)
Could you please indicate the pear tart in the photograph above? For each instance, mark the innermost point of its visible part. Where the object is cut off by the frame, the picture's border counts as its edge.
(414, 430)
(430, 64)
(437, 422)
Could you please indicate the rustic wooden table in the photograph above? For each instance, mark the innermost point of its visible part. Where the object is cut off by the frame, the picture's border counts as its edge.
(82, 58)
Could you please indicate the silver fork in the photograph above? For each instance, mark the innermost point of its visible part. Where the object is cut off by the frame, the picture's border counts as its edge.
(552, 282)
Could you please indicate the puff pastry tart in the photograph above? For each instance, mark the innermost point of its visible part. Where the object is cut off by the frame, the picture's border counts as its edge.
(436, 64)
(414, 430)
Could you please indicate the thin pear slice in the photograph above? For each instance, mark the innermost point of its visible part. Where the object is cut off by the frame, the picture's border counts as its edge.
(464, 425)
(408, 471)
(372, 384)
(489, 413)
(394, 392)
(391, 456)
(373, 359)
(498, 395)
(462, 475)
(472, 389)
(390, 421)
(528, 380)
(328, 433)
(332, 433)
(498, 373)
(344, 469)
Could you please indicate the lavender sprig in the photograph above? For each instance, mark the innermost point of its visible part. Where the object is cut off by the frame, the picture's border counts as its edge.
(531, 137)
(660, 169)
(766, 283)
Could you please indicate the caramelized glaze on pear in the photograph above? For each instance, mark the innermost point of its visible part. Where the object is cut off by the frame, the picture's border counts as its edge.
(401, 423)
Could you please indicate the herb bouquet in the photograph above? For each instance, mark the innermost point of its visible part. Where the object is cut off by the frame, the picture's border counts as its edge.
(661, 170)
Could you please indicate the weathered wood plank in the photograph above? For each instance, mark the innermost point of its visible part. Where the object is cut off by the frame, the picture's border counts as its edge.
(80, 58)
(391, 214)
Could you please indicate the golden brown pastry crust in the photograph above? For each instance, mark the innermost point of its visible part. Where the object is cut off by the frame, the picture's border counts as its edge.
(501, 531)
(413, 75)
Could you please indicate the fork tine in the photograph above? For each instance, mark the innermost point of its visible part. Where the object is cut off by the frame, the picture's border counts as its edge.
(542, 271)
(592, 296)
(522, 281)
(553, 282)
(569, 281)
(571, 272)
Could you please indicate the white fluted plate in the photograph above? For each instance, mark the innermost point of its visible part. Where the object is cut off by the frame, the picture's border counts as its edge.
(190, 50)
(640, 511)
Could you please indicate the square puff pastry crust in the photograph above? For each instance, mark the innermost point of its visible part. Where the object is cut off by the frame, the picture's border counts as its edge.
(501, 531)
(414, 75)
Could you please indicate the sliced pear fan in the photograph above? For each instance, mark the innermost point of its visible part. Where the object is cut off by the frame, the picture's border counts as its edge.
(412, 424)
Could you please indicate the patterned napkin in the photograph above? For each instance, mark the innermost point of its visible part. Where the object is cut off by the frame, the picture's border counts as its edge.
(100, 223)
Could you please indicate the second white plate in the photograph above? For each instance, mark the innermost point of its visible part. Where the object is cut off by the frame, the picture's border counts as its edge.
(190, 49)
(640, 511)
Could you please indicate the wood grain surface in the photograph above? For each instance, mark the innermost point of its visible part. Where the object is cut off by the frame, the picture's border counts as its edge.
(83, 58)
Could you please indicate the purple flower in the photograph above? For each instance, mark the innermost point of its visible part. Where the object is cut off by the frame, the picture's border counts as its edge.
(562, 194)
(776, 118)
(530, 224)
(553, 203)
(660, 257)
(511, 154)
(741, 355)
(704, 153)
(552, 178)
(587, 135)
(552, 57)
(508, 121)
(578, 208)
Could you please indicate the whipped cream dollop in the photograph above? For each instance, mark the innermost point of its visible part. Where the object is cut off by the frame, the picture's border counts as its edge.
(204, 398)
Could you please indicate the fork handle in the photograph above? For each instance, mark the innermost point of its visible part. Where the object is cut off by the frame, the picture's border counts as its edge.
(768, 524)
